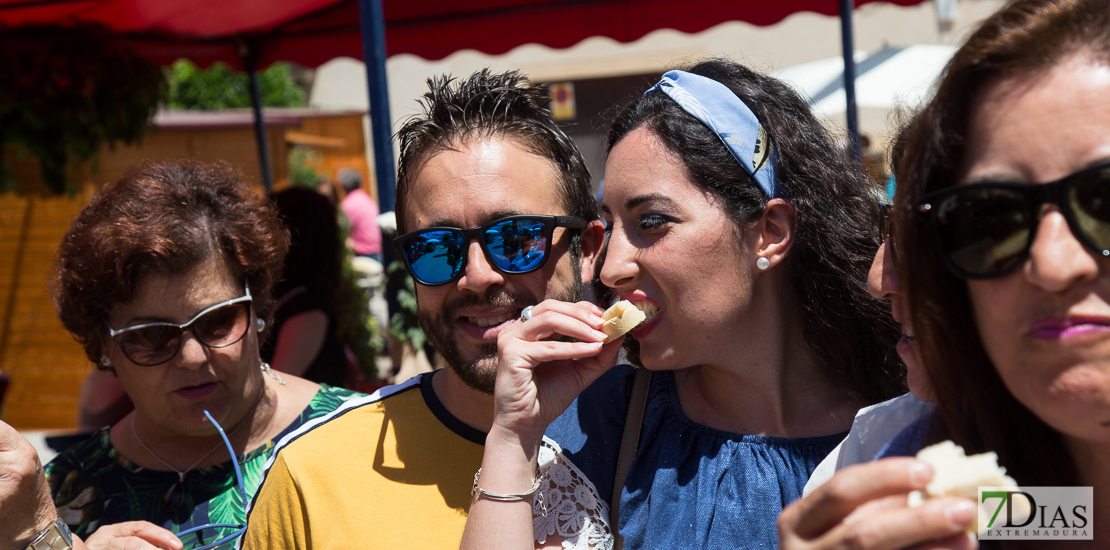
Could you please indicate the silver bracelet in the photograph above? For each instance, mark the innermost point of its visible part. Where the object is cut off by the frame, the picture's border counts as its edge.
(476, 490)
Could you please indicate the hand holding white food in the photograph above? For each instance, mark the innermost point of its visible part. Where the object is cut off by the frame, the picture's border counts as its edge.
(540, 372)
(959, 475)
(544, 362)
(864, 507)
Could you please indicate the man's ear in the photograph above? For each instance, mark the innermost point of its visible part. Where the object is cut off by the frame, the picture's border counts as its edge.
(777, 228)
(593, 240)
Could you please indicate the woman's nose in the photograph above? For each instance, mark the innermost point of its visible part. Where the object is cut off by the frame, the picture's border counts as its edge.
(192, 353)
(620, 268)
(882, 280)
(1057, 260)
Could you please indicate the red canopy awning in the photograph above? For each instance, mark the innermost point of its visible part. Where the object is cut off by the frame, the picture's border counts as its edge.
(311, 32)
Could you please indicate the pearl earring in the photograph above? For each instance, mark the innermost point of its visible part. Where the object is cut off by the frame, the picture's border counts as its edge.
(261, 325)
(763, 263)
(104, 360)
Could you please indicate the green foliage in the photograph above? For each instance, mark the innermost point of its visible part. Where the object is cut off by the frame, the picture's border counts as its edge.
(302, 168)
(66, 91)
(218, 87)
(404, 326)
(356, 327)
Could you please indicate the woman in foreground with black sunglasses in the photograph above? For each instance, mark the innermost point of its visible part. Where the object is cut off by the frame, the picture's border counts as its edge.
(165, 278)
(746, 236)
(1004, 218)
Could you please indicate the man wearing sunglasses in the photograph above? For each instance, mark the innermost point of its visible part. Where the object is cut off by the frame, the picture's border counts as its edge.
(496, 214)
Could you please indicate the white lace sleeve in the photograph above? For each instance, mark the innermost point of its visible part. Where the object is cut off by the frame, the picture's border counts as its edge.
(567, 504)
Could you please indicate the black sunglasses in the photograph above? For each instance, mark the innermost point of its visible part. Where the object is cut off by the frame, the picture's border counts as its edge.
(516, 244)
(985, 230)
(886, 219)
(218, 326)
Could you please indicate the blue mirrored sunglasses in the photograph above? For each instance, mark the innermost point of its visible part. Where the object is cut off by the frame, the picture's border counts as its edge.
(516, 244)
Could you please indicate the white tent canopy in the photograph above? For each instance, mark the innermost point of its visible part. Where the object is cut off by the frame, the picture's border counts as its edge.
(893, 77)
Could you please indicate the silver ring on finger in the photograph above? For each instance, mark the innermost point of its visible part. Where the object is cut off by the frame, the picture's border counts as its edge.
(526, 314)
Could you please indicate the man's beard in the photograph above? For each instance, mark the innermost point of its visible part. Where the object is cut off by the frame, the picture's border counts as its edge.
(480, 373)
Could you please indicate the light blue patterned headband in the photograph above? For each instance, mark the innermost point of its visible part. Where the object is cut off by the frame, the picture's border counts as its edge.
(718, 108)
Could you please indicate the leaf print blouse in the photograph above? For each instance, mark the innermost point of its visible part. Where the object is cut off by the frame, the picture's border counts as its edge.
(93, 484)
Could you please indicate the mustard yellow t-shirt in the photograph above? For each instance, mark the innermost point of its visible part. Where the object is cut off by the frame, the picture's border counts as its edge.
(391, 470)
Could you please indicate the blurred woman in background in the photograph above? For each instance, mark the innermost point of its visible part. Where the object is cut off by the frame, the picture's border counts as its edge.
(306, 342)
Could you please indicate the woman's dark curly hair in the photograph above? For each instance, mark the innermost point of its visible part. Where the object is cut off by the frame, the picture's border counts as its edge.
(850, 333)
(1025, 37)
(163, 219)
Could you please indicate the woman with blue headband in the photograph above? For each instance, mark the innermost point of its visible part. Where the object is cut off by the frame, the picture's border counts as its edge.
(745, 235)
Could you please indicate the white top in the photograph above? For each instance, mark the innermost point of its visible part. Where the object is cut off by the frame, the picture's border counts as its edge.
(567, 504)
(872, 429)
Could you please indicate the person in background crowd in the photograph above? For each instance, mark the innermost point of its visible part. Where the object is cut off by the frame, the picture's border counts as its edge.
(745, 234)
(102, 401)
(165, 279)
(877, 424)
(1002, 228)
(362, 213)
(306, 342)
(327, 189)
(485, 174)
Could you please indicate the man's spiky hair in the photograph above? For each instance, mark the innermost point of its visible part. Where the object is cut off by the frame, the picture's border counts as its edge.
(489, 105)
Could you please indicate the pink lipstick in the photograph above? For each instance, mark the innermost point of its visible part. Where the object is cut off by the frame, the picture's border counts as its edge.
(1058, 329)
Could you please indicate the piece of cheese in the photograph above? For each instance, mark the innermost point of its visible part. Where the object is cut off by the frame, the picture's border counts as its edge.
(622, 317)
(956, 474)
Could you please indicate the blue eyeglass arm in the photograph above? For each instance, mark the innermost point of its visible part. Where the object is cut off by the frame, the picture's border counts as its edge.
(242, 493)
(113, 332)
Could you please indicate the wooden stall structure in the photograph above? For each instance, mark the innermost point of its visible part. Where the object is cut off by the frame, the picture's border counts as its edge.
(45, 364)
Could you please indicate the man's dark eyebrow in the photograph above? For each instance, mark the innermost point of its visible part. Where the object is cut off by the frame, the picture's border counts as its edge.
(650, 197)
(495, 215)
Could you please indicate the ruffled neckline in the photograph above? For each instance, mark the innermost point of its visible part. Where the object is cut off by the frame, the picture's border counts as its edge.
(665, 392)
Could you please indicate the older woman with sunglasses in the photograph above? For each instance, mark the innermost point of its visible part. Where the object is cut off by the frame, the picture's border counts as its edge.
(1003, 212)
(745, 237)
(165, 279)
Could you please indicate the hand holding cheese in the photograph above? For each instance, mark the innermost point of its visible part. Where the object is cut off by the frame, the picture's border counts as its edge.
(622, 317)
(544, 363)
(863, 506)
(959, 475)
